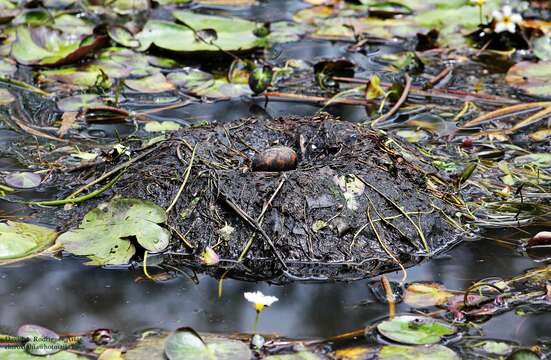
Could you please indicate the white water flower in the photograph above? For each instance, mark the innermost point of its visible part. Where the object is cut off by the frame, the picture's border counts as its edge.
(506, 20)
(260, 300)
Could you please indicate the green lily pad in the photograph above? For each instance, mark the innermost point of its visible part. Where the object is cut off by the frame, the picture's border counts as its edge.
(43, 45)
(78, 102)
(491, 347)
(426, 294)
(233, 34)
(6, 97)
(104, 233)
(122, 36)
(23, 180)
(430, 352)
(524, 354)
(301, 355)
(20, 354)
(7, 67)
(42, 341)
(155, 83)
(415, 330)
(200, 83)
(21, 240)
(531, 77)
(186, 344)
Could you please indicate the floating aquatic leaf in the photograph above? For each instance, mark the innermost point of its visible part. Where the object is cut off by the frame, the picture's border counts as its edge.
(186, 344)
(23, 180)
(78, 102)
(426, 294)
(43, 45)
(111, 354)
(491, 347)
(20, 354)
(6, 97)
(126, 7)
(233, 34)
(21, 240)
(7, 68)
(41, 341)
(122, 36)
(200, 83)
(542, 47)
(524, 354)
(415, 330)
(431, 352)
(161, 126)
(301, 355)
(104, 233)
(155, 83)
(531, 77)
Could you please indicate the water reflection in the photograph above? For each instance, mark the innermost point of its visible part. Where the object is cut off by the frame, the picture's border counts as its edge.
(66, 296)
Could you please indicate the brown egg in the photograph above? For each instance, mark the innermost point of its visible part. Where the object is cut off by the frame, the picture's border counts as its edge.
(276, 158)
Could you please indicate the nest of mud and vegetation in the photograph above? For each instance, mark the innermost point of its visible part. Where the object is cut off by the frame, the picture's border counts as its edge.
(358, 204)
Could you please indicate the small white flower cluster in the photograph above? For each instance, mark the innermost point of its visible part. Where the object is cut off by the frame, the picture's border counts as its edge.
(506, 20)
(259, 299)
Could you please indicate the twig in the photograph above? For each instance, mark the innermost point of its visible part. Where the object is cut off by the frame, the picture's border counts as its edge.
(403, 212)
(253, 223)
(116, 169)
(396, 106)
(385, 248)
(436, 79)
(186, 177)
(510, 110)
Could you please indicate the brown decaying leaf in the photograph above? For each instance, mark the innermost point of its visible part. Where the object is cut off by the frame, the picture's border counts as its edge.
(67, 121)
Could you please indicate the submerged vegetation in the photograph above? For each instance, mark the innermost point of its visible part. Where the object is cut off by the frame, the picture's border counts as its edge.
(124, 142)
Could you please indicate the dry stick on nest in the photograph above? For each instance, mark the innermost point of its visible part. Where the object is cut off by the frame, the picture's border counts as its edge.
(252, 222)
(396, 106)
(385, 248)
(249, 243)
(116, 169)
(186, 177)
(403, 212)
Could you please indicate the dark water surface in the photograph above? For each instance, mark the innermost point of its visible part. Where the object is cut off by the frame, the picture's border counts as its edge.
(69, 297)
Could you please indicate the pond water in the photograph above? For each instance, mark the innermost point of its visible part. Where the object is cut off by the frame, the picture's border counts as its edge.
(69, 297)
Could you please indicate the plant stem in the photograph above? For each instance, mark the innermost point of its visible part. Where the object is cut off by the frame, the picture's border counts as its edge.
(256, 321)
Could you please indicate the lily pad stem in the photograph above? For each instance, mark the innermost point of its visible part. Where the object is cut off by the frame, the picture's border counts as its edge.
(82, 198)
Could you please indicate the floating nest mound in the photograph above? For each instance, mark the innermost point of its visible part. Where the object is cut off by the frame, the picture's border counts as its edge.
(356, 205)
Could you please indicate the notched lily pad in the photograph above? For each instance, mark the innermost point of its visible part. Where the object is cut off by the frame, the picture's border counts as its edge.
(415, 330)
(21, 240)
(186, 344)
(106, 232)
(431, 352)
(23, 180)
(531, 77)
